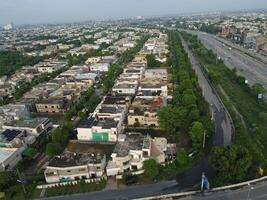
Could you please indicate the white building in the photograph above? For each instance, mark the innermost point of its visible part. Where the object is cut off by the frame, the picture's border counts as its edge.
(75, 166)
(125, 89)
(159, 73)
(33, 126)
(99, 131)
(100, 67)
(132, 150)
(93, 60)
(12, 112)
(9, 158)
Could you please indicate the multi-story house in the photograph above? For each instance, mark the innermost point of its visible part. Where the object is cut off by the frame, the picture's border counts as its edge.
(75, 166)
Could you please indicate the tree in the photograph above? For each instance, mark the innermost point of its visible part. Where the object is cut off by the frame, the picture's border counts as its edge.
(196, 133)
(152, 62)
(171, 118)
(31, 152)
(232, 163)
(263, 116)
(60, 135)
(185, 84)
(5, 180)
(189, 99)
(258, 89)
(151, 169)
(51, 149)
(181, 158)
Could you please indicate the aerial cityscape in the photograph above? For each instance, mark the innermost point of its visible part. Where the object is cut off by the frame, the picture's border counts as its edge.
(112, 100)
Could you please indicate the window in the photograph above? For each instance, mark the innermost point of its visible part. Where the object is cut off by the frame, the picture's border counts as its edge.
(83, 169)
(68, 170)
(145, 154)
(126, 162)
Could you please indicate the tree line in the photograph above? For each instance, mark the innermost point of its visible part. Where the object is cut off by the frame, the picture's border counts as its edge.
(247, 156)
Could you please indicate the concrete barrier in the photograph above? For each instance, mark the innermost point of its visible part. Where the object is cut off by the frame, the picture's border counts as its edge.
(190, 193)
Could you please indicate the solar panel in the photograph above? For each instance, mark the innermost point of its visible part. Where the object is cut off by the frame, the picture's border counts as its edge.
(10, 134)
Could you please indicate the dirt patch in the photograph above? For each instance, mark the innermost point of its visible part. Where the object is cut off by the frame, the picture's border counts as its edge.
(78, 147)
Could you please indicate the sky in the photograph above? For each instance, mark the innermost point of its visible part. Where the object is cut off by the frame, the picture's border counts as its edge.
(54, 11)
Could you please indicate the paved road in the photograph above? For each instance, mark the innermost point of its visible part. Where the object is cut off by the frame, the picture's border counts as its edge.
(253, 192)
(253, 54)
(223, 128)
(252, 69)
(132, 192)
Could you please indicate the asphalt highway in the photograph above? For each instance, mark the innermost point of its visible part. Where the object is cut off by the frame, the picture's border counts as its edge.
(223, 128)
(254, 70)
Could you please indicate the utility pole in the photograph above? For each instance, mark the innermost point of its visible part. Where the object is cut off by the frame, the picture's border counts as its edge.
(20, 180)
(202, 183)
(204, 139)
(249, 191)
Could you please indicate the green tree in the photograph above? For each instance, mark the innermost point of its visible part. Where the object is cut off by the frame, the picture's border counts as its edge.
(171, 118)
(181, 158)
(151, 168)
(189, 99)
(258, 89)
(60, 135)
(196, 133)
(51, 149)
(232, 163)
(31, 152)
(5, 180)
(263, 116)
(152, 62)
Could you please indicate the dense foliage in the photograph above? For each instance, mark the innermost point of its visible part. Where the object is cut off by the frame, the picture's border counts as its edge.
(152, 62)
(188, 104)
(248, 113)
(10, 61)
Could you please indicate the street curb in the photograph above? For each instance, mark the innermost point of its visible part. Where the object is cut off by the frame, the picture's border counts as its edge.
(184, 194)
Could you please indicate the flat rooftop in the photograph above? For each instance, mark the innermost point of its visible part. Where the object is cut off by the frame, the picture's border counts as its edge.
(9, 134)
(105, 124)
(110, 99)
(29, 123)
(133, 141)
(5, 153)
(125, 86)
(69, 159)
(83, 147)
(110, 109)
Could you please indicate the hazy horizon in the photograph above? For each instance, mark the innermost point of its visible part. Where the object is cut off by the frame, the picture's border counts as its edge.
(61, 11)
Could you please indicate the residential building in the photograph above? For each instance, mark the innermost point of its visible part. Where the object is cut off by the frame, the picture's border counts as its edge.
(33, 126)
(132, 150)
(15, 138)
(51, 106)
(75, 166)
(158, 73)
(100, 67)
(9, 158)
(92, 130)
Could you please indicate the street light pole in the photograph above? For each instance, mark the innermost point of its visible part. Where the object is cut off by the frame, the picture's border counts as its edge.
(249, 191)
(21, 180)
(204, 139)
